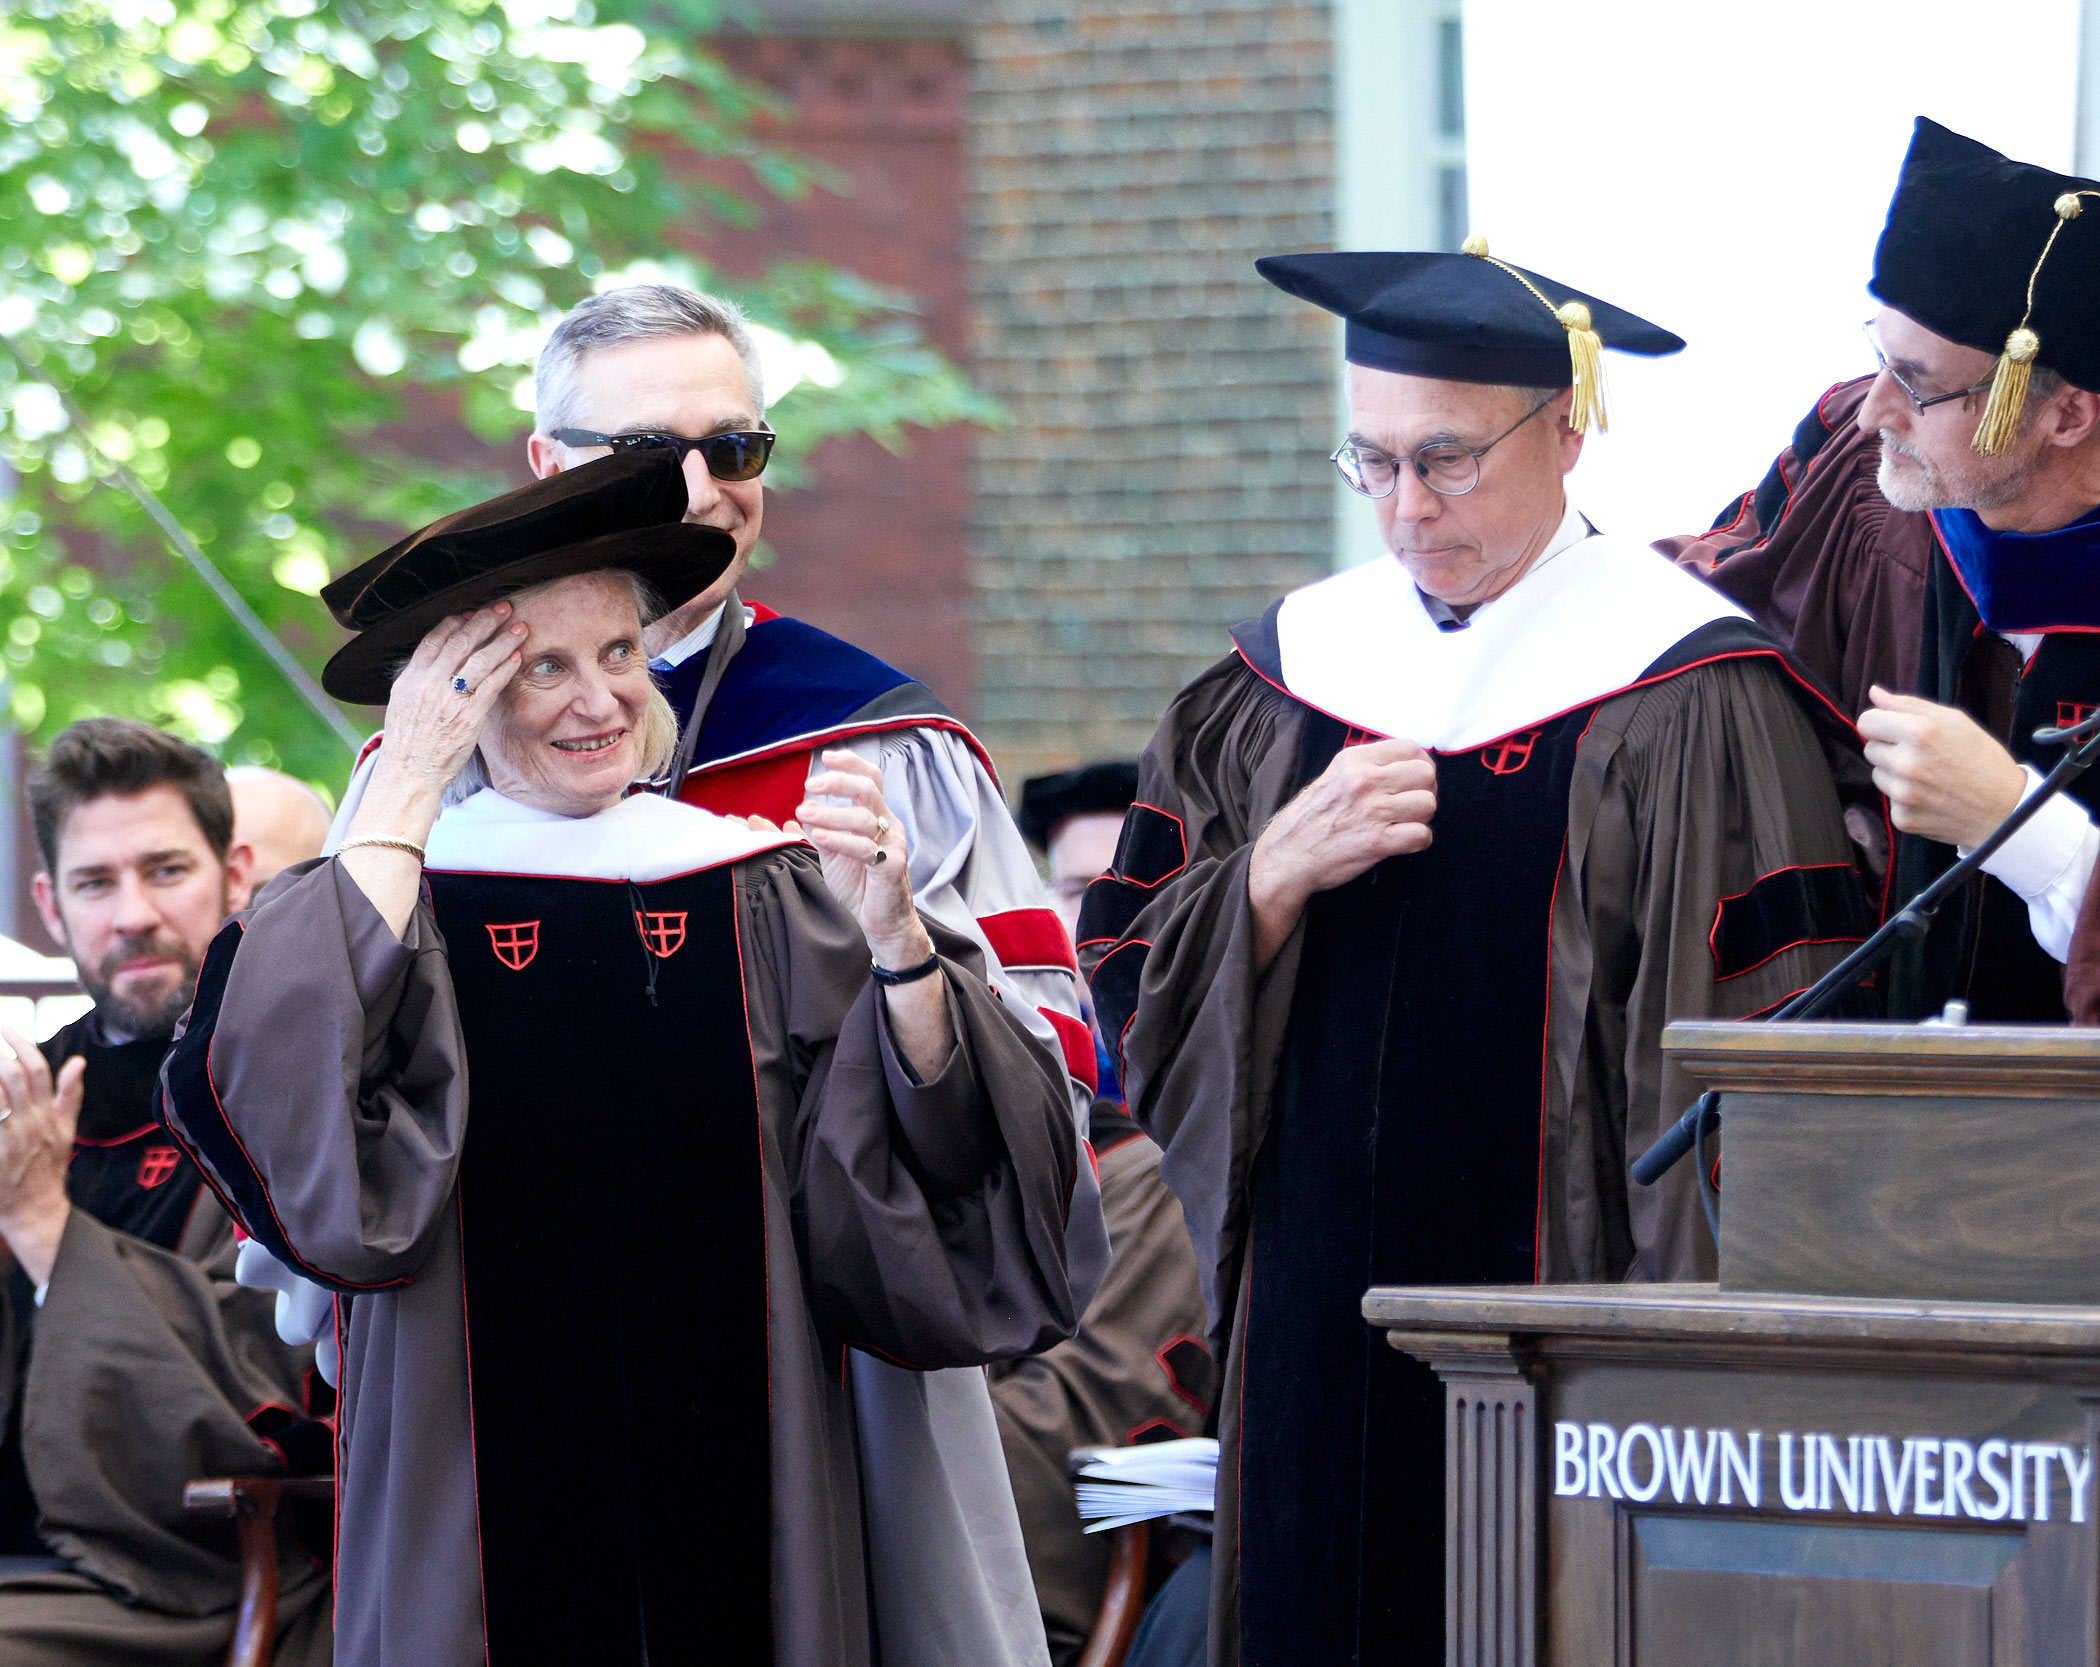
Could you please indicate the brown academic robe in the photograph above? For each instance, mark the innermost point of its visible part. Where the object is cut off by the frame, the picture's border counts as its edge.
(1139, 1370)
(1685, 792)
(1822, 560)
(146, 1367)
(928, 1217)
(1853, 586)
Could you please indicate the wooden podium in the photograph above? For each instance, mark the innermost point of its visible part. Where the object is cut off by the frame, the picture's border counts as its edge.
(1870, 1445)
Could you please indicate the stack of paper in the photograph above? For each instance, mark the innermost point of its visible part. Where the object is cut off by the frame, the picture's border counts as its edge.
(1119, 1485)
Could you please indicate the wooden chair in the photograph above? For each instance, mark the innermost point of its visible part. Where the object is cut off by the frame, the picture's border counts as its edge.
(1123, 1600)
(253, 1502)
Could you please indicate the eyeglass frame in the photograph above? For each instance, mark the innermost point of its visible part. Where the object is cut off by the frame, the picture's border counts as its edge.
(1414, 459)
(1921, 406)
(685, 444)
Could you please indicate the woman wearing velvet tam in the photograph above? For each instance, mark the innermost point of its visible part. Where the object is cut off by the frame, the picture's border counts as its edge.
(1413, 880)
(614, 1121)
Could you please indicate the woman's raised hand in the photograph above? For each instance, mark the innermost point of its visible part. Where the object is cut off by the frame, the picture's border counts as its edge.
(445, 693)
(864, 857)
(433, 718)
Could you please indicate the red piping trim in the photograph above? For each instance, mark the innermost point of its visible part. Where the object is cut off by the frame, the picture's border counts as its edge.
(117, 1139)
(815, 738)
(1121, 945)
(1538, 1206)
(758, 1114)
(1713, 934)
(1742, 509)
(1130, 1436)
(336, 1431)
(602, 879)
(1181, 832)
(1799, 943)
(466, 1339)
(1173, 1382)
(1773, 653)
(211, 1081)
(1822, 413)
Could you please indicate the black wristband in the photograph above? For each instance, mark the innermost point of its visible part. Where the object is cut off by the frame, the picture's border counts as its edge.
(910, 975)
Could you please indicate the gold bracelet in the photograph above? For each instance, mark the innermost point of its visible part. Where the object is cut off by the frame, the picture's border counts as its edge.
(412, 849)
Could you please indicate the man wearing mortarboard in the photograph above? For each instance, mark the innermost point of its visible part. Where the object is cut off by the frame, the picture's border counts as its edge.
(1378, 1048)
(1929, 545)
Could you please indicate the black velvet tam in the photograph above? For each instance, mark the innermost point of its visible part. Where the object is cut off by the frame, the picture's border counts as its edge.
(623, 513)
(1048, 800)
(1460, 318)
(1964, 231)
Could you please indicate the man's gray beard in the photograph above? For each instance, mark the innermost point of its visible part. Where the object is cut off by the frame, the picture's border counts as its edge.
(1920, 488)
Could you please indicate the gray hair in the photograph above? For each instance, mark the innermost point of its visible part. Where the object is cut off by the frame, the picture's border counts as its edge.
(638, 312)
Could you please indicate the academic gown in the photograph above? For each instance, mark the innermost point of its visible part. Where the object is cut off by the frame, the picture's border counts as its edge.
(593, 1396)
(1865, 593)
(146, 1368)
(1139, 1370)
(757, 708)
(1444, 1073)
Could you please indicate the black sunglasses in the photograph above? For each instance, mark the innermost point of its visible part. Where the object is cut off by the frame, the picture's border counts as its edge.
(738, 455)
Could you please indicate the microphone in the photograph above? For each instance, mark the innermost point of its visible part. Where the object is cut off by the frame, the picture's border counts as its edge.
(1912, 921)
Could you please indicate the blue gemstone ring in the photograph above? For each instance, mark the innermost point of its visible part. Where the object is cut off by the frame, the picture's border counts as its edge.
(460, 683)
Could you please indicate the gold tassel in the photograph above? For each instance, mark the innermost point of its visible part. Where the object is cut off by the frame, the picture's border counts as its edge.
(1586, 353)
(2001, 412)
(1476, 246)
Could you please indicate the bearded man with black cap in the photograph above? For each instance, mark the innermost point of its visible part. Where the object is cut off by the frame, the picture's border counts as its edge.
(792, 1114)
(1930, 546)
(1415, 877)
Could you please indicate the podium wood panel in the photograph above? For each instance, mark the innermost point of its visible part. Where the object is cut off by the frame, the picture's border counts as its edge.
(1663, 1581)
(1905, 1160)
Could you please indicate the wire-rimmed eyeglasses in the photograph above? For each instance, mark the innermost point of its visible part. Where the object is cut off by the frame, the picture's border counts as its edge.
(1921, 403)
(739, 454)
(1444, 466)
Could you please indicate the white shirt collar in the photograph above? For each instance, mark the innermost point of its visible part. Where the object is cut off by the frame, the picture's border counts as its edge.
(699, 637)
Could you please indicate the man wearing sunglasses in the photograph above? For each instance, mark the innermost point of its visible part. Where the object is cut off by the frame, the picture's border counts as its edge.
(763, 702)
(1414, 879)
(1930, 546)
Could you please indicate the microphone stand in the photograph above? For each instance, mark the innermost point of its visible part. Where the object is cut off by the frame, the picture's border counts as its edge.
(1909, 923)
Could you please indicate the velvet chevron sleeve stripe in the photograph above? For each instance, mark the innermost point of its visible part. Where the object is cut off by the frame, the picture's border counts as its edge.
(197, 1117)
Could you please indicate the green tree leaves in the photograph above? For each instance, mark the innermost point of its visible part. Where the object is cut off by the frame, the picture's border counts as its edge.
(266, 244)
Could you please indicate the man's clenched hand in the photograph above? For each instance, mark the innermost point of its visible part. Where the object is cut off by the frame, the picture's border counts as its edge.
(1372, 802)
(1944, 776)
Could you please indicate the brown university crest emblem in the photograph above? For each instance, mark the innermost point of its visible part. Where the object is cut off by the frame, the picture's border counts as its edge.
(156, 1164)
(662, 932)
(515, 944)
(1510, 754)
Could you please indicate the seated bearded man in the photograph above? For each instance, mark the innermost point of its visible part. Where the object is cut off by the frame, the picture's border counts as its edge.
(518, 997)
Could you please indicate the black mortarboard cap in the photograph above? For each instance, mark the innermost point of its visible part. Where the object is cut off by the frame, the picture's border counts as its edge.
(624, 513)
(1969, 231)
(1049, 800)
(1465, 317)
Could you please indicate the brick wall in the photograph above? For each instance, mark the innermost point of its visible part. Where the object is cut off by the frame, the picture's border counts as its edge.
(874, 548)
(1165, 473)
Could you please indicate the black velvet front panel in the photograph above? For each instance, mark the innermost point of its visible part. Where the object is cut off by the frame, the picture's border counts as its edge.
(613, 1222)
(1981, 946)
(1404, 1149)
